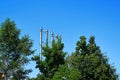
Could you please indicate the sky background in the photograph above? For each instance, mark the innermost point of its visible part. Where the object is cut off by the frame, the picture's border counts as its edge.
(70, 19)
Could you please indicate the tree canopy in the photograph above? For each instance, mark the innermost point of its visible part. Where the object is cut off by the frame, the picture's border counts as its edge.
(91, 62)
(54, 57)
(14, 49)
(87, 62)
(66, 73)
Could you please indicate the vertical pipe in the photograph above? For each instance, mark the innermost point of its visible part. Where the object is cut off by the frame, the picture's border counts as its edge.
(40, 55)
(46, 37)
(57, 36)
(52, 36)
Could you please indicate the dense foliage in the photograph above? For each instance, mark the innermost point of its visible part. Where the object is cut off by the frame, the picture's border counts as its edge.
(86, 63)
(66, 73)
(13, 49)
(90, 62)
(54, 57)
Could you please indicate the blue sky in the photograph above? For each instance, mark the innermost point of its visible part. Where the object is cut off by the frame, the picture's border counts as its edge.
(71, 19)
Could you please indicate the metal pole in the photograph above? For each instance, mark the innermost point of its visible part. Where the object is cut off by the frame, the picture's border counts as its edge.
(57, 36)
(46, 37)
(52, 36)
(40, 43)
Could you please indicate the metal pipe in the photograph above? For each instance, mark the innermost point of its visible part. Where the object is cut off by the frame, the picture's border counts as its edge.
(46, 37)
(40, 43)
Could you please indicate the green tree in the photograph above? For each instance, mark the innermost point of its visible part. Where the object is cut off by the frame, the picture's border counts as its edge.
(66, 73)
(39, 77)
(91, 62)
(21, 74)
(31, 79)
(14, 49)
(53, 58)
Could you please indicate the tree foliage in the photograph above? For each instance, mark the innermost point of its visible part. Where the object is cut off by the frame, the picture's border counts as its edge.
(91, 63)
(53, 58)
(66, 73)
(14, 49)
(21, 74)
(86, 63)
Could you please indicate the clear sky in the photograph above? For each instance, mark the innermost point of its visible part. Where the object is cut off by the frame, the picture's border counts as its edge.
(71, 19)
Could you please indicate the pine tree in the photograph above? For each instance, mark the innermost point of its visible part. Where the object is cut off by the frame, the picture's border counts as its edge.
(53, 58)
(13, 49)
(91, 62)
